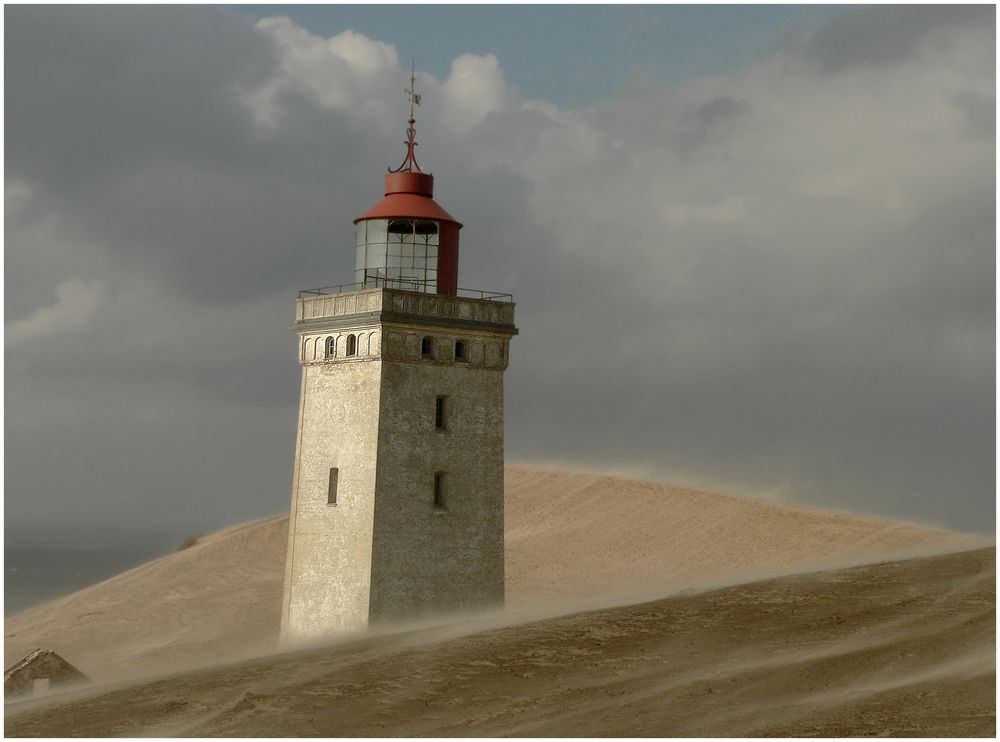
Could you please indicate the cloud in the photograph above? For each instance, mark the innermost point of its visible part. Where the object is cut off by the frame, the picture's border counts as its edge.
(780, 278)
(886, 35)
(363, 54)
(474, 89)
(347, 72)
(979, 110)
(76, 304)
(16, 194)
(712, 122)
(352, 73)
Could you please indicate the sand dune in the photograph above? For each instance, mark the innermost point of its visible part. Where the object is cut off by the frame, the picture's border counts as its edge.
(899, 648)
(219, 596)
(569, 536)
(573, 534)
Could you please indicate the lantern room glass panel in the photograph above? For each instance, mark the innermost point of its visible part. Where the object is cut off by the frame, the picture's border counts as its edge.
(399, 253)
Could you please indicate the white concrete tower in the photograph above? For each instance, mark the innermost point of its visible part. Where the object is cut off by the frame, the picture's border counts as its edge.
(397, 491)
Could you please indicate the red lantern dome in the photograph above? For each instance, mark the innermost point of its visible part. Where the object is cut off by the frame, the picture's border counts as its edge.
(407, 240)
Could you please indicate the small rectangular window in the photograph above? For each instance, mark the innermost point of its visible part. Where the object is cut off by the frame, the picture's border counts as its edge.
(439, 416)
(460, 351)
(439, 489)
(331, 492)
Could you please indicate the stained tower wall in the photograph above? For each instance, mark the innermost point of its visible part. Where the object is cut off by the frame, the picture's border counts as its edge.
(429, 559)
(328, 569)
(385, 551)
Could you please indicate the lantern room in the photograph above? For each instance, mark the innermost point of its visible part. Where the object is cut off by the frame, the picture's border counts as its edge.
(406, 241)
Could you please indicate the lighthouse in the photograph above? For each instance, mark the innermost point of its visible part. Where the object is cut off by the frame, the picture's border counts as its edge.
(397, 490)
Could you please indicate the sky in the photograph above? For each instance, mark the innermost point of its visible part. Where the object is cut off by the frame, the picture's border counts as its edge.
(752, 249)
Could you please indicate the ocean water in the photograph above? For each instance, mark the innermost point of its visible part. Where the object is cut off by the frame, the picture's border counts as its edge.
(42, 565)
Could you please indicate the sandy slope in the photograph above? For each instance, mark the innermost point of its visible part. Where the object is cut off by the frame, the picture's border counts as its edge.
(568, 536)
(898, 648)
(209, 600)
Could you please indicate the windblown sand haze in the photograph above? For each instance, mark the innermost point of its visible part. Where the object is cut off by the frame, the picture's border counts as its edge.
(597, 547)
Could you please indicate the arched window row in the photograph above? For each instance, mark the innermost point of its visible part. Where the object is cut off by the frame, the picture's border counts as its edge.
(472, 351)
(345, 345)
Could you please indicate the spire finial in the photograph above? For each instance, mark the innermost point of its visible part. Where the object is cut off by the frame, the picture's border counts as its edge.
(410, 163)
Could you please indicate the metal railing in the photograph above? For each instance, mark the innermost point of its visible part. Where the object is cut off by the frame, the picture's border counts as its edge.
(486, 295)
(401, 284)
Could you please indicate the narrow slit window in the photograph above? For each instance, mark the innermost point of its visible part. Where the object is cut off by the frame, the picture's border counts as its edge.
(427, 347)
(439, 413)
(440, 490)
(461, 353)
(331, 491)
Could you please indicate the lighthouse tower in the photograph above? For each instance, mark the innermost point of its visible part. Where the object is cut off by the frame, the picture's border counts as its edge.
(397, 491)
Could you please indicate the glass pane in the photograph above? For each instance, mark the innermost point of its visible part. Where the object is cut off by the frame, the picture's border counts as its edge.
(376, 231)
(359, 233)
(376, 256)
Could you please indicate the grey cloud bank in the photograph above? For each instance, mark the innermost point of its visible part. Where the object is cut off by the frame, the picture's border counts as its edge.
(778, 282)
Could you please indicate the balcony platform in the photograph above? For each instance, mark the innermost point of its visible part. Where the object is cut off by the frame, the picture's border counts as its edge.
(347, 304)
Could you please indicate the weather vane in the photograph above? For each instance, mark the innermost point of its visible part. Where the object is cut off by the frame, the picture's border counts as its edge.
(410, 163)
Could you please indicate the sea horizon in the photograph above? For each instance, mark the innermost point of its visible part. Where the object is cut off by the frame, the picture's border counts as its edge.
(42, 564)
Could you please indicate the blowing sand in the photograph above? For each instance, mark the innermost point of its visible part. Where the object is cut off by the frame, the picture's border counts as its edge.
(900, 648)
(572, 540)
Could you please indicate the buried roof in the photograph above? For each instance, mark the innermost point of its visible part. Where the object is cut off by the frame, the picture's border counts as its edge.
(42, 664)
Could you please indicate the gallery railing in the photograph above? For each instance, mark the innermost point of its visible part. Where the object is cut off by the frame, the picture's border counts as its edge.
(402, 284)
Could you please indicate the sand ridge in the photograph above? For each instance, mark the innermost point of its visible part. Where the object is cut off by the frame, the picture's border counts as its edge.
(571, 534)
(901, 648)
(569, 537)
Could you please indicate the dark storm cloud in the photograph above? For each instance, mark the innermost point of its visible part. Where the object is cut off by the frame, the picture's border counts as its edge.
(980, 112)
(103, 92)
(751, 284)
(145, 171)
(884, 35)
(126, 122)
(711, 123)
(719, 113)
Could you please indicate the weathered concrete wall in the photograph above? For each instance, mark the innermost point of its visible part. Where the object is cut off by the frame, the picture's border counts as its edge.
(328, 570)
(384, 551)
(426, 559)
